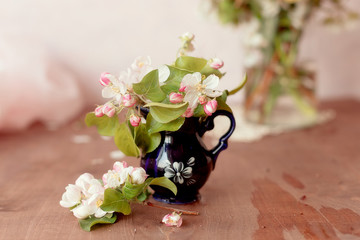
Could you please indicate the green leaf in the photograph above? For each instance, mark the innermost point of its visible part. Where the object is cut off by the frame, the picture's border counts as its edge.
(131, 191)
(147, 141)
(87, 223)
(115, 201)
(164, 182)
(150, 87)
(106, 126)
(207, 70)
(222, 104)
(199, 111)
(174, 80)
(154, 126)
(125, 141)
(232, 92)
(143, 196)
(190, 63)
(165, 113)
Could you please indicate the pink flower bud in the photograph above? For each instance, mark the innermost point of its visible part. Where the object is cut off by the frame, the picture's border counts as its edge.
(135, 120)
(202, 99)
(176, 97)
(173, 219)
(182, 87)
(109, 110)
(188, 113)
(216, 63)
(105, 79)
(210, 107)
(128, 100)
(99, 111)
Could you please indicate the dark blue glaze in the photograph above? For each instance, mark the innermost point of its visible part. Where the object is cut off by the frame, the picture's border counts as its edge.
(184, 159)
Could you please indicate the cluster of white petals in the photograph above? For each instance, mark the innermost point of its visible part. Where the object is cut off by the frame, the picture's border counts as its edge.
(196, 89)
(85, 197)
(120, 173)
(253, 41)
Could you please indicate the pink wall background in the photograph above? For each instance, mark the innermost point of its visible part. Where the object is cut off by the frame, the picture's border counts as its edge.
(83, 38)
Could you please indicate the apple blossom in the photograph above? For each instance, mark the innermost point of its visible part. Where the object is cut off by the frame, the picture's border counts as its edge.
(176, 97)
(187, 36)
(128, 100)
(138, 175)
(135, 120)
(173, 219)
(83, 181)
(188, 113)
(99, 111)
(119, 166)
(216, 63)
(113, 179)
(105, 79)
(210, 107)
(71, 197)
(202, 99)
(140, 63)
(195, 88)
(109, 109)
(117, 88)
(90, 206)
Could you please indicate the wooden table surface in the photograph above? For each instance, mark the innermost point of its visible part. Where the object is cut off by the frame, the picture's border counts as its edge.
(299, 185)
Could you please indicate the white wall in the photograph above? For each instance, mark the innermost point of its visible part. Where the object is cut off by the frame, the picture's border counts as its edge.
(92, 36)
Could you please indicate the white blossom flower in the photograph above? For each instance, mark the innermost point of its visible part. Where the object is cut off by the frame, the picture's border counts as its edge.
(90, 206)
(138, 175)
(71, 197)
(116, 89)
(83, 181)
(120, 166)
(193, 87)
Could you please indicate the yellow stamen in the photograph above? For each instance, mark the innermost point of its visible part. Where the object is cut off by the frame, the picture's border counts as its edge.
(99, 202)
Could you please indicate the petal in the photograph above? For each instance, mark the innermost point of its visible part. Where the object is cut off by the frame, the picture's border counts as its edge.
(181, 179)
(187, 172)
(164, 73)
(178, 166)
(191, 161)
(191, 79)
(192, 98)
(169, 172)
(107, 92)
(211, 81)
(100, 213)
(213, 93)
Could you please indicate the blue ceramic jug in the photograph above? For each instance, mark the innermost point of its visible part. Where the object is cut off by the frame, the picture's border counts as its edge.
(183, 158)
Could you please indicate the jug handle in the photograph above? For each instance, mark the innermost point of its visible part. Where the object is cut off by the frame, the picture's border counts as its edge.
(208, 125)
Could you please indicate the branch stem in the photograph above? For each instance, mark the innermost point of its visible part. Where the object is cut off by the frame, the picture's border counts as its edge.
(172, 209)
